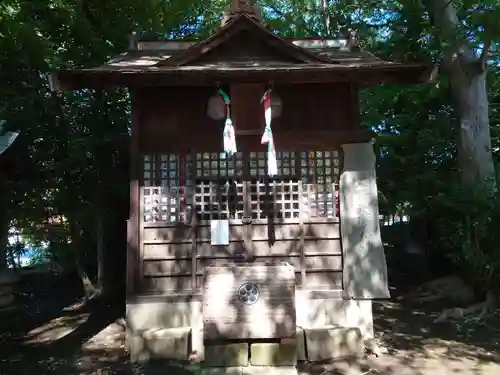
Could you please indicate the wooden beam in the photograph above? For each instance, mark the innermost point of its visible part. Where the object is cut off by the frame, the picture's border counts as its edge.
(301, 231)
(285, 141)
(203, 76)
(133, 224)
(194, 230)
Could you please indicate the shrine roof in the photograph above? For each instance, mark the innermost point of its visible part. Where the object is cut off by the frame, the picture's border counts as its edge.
(243, 49)
(150, 54)
(6, 139)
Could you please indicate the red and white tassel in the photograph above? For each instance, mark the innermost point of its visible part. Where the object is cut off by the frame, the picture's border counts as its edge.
(267, 137)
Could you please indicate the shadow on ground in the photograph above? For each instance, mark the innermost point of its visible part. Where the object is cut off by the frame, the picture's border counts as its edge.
(90, 341)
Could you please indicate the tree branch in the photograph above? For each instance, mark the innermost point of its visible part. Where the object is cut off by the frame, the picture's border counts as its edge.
(290, 19)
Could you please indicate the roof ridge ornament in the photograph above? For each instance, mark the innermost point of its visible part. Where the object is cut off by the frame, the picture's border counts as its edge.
(353, 40)
(239, 7)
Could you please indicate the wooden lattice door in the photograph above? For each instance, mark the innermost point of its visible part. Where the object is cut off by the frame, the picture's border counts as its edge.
(292, 217)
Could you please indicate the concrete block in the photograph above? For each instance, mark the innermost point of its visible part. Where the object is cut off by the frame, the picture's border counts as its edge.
(250, 370)
(136, 347)
(269, 370)
(232, 355)
(333, 343)
(319, 309)
(301, 345)
(222, 370)
(169, 343)
(197, 346)
(273, 354)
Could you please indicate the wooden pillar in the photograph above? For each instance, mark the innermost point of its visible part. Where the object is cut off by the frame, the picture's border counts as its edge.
(133, 224)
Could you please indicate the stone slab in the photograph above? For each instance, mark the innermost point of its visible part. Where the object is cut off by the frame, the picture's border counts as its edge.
(171, 343)
(232, 355)
(333, 343)
(221, 370)
(301, 345)
(269, 370)
(273, 354)
(250, 370)
(365, 268)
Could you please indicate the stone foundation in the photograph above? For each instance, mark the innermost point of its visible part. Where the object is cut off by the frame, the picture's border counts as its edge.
(250, 370)
(162, 327)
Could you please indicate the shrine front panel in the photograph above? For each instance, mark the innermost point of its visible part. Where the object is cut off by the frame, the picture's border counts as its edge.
(292, 217)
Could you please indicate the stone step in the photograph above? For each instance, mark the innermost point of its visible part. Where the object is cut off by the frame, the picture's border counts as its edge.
(273, 354)
(165, 343)
(250, 370)
(312, 344)
(230, 355)
(333, 343)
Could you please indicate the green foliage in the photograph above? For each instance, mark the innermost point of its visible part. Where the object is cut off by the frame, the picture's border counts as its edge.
(77, 143)
(467, 222)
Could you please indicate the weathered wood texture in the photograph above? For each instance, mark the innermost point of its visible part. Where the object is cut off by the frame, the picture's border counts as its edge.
(167, 253)
(272, 313)
(133, 224)
(314, 117)
(291, 221)
(291, 218)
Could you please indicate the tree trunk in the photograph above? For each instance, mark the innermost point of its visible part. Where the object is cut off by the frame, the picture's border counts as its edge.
(101, 262)
(467, 76)
(88, 288)
(326, 17)
(474, 148)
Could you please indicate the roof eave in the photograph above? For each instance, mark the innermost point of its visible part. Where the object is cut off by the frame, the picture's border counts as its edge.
(7, 139)
(66, 80)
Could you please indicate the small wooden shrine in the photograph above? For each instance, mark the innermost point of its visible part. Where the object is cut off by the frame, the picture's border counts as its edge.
(254, 214)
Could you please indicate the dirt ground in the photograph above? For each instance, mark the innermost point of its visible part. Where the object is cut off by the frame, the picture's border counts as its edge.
(47, 337)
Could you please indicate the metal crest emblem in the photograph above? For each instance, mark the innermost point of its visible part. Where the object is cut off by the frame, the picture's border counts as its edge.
(248, 293)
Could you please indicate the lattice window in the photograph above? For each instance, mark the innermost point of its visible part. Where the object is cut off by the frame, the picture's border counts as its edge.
(214, 200)
(216, 165)
(167, 189)
(285, 161)
(320, 173)
(169, 170)
(257, 164)
(218, 185)
(165, 204)
(320, 167)
(276, 198)
(149, 170)
(319, 201)
(260, 199)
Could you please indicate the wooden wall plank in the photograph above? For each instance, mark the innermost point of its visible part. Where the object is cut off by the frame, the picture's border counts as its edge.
(167, 267)
(171, 234)
(322, 247)
(168, 285)
(324, 280)
(182, 266)
(168, 121)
